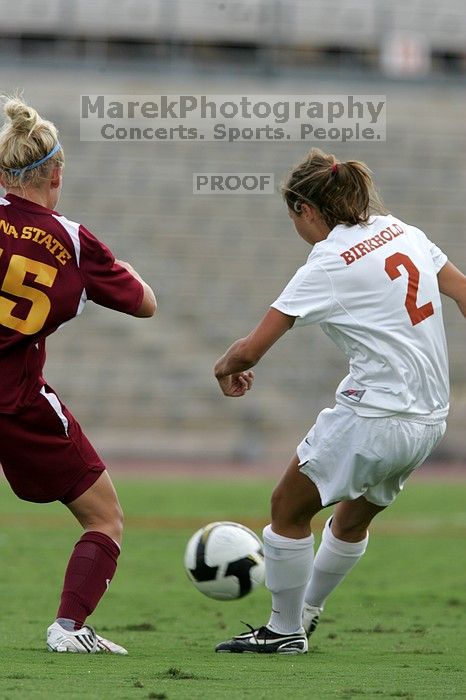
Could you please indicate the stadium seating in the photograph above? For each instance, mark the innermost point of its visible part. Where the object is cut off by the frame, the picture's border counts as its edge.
(358, 24)
(145, 388)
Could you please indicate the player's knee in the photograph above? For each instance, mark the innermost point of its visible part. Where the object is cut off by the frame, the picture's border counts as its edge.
(111, 523)
(118, 523)
(287, 515)
(277, 508)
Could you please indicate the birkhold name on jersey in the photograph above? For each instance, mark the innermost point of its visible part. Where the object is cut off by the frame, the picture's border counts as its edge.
(39, 236)
(359, 250)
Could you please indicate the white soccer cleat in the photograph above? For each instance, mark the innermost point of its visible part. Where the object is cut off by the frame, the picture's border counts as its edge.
(311, 615)
(83, 641)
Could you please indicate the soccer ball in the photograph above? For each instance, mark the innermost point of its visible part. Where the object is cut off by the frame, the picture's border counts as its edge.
(225, 560)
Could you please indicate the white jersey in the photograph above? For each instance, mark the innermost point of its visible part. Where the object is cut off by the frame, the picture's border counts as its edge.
(373, 289)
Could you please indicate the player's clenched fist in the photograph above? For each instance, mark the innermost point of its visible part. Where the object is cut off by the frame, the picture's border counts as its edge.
(236, 384)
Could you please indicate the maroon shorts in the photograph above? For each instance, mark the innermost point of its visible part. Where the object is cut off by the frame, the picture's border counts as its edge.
(44, 453)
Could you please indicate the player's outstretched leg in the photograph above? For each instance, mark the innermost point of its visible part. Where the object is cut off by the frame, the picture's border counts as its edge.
(288, 553)
(89, 572)
(288, 563)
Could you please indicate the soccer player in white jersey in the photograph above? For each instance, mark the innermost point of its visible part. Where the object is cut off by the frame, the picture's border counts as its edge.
(373, 283)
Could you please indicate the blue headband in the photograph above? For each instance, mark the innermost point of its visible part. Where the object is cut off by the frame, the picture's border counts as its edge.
(21, 171)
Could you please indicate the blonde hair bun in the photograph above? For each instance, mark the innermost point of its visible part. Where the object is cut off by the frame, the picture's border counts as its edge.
(24, 119)
(25, 138)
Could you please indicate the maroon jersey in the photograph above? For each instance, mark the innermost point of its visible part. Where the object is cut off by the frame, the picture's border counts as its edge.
(49, 268)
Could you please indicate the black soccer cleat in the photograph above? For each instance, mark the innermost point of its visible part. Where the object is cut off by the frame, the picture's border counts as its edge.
(265, 641)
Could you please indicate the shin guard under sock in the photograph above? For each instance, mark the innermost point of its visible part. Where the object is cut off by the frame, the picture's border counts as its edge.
(88, 574)
(288, 564)
(333, 561)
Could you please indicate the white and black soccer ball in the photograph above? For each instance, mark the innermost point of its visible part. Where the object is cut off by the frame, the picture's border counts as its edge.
(225, 560)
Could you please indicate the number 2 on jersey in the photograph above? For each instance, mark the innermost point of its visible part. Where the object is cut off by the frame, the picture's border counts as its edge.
(13, 283)
(392, 268)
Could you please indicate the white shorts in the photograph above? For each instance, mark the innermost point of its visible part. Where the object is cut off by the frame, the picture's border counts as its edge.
(347, 456)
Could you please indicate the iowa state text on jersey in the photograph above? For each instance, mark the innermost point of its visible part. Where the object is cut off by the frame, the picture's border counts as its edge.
(37, 235)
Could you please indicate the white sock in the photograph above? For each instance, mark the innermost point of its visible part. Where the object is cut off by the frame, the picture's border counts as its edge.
(334, 559)
(288, 564)
(66, 623)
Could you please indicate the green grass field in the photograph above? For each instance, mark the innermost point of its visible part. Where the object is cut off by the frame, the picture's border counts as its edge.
(395, 629)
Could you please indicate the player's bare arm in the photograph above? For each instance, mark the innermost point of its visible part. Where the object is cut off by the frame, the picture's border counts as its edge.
(452, 283)
(148, 305)
(232, 369)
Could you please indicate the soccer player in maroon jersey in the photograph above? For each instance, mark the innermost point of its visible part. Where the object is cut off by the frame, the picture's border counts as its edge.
(49, 268)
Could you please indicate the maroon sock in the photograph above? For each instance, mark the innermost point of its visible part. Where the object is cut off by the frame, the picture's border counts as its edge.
(89, 571)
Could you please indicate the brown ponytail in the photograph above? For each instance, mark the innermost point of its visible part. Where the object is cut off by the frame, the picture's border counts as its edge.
(343, 193)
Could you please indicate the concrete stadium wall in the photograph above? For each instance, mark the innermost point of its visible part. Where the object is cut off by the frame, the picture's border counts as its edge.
(361, 24)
